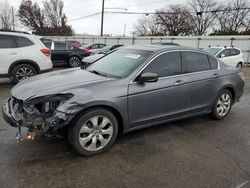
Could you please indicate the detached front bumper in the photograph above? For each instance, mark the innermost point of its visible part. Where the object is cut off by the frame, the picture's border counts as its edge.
(9, 114)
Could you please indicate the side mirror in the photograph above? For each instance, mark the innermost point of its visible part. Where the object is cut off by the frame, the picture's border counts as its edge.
(222, 55)
(147, 77)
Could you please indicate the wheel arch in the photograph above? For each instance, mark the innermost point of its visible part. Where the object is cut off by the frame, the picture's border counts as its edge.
(110, 108)
(231, 89)
(24, 61)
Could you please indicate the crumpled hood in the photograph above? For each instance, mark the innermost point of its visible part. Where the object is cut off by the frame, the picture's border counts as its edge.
(54, 83)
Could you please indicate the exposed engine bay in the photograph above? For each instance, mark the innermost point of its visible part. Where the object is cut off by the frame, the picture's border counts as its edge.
(39, 115)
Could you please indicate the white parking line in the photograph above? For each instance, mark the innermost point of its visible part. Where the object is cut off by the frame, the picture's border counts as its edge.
(243, 184)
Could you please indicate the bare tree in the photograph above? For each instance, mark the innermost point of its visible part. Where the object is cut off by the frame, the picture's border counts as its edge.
(146, 25)
(6, 16)
(32, 16)
(54, 12)
(203, 15)
(47, 21)
(174, 20)
(235, 17)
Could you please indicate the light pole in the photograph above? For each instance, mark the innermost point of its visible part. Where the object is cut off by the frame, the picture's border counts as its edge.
(102, 18)
(124, 30)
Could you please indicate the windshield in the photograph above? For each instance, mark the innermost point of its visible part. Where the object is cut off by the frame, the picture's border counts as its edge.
(106, 47)
(119, 63)
(212, 51)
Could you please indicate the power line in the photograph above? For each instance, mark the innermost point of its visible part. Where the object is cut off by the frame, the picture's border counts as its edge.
(87, 16)
(157, 13)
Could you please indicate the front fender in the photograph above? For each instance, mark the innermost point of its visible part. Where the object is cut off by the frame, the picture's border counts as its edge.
(84, 99)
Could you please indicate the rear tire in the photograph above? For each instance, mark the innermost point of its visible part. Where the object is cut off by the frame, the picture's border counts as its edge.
(22, 72)
(222, 105)
(74, 61)
(94, 132)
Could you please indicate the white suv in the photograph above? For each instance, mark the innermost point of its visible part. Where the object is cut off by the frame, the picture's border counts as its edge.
(229, 55)
(22, 56)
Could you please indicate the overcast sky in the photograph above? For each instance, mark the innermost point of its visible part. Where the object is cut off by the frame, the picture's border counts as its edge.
(113, 23)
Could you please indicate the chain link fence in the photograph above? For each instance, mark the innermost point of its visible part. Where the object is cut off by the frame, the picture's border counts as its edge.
(241, 42)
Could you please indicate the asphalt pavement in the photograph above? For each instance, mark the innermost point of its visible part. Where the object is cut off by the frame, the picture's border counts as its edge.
(197, 152)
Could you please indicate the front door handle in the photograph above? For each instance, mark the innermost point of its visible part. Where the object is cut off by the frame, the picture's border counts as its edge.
(215, 75)
(178, 82)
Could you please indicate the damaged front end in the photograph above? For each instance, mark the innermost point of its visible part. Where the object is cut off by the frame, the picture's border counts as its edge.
(39, 115)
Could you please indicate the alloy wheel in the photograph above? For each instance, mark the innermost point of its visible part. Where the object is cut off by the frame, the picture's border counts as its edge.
(96, 133)
(223, 104)
(23, 73)
(74, 62)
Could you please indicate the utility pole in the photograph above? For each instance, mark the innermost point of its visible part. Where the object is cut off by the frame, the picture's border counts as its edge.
(124, 30)
(102, 18)
(13, 18)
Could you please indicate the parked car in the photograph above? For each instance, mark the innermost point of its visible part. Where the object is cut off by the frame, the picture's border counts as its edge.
(92, 46)
(131, 88)
(91, 59)
(22, 56)
(74, 43)
(229, 55)
(166, 43)
(105, 49)
(65, 53)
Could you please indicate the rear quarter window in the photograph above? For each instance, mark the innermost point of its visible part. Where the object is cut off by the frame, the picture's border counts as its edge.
(237, 51)
(213, 62)
(47, 44)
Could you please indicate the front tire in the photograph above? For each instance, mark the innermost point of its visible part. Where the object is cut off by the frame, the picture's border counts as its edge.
(222, 105)
(22, 72)
(94, 132)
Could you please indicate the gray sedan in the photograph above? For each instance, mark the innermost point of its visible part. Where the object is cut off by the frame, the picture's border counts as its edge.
(129, 89)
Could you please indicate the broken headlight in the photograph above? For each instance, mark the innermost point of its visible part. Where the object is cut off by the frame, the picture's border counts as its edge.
(47, 105)
(61, 115)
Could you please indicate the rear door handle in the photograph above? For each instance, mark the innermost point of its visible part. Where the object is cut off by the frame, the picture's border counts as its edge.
(215, 75)
(13, 53)
(178, 82)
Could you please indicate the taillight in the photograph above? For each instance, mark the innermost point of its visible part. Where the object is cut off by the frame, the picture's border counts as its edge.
(46, 52)
(242, 75)
(86, 51)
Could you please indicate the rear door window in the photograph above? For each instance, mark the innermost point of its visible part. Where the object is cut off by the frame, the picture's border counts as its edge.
(232, 52)
(7, 41)
(101, 45)
(23, 42)
(167, 64)
(70, 47)
(60, 46)
(94, 46)
(194, 62)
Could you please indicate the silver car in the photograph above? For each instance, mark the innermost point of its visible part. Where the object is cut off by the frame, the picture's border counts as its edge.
(130, 88)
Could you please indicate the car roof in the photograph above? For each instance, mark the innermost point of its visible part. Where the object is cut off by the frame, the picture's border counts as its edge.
(15, 33)
(159, 48)
(223, 47)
